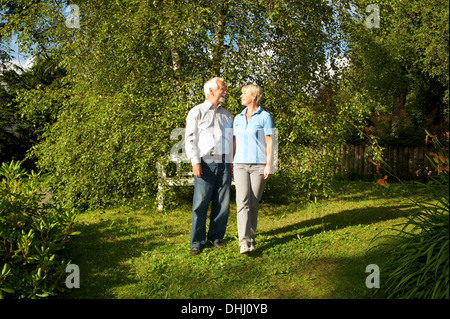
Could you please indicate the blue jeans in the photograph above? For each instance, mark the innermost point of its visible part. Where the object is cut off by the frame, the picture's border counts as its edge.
(213, 186)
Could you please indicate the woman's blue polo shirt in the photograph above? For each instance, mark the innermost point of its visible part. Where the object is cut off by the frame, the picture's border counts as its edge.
(251, 136)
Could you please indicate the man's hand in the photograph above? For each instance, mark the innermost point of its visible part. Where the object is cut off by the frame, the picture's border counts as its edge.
(197, 170)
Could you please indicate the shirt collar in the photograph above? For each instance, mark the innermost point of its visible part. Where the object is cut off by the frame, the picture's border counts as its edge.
(258, 110)
(208, 106)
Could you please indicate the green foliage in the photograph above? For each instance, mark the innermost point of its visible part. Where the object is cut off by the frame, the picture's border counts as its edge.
(33, 235)
(135, 68)
(27, 107)
(419, 263)
(401, 65)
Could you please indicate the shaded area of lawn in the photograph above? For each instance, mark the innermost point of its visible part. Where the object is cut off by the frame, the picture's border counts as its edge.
(334, 221)
(315, 250)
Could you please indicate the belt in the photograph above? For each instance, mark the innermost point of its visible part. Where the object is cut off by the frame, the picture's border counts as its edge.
(211, 156)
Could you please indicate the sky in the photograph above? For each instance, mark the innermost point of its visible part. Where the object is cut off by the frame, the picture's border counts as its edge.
(25, 62)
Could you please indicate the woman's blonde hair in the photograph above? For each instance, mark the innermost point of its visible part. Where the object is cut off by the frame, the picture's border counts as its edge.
(255, 90)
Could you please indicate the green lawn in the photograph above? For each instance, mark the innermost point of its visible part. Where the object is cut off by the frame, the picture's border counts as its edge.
(315, 250)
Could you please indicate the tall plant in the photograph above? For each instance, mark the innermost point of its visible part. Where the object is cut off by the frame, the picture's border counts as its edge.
(33, 236)
(418, 266)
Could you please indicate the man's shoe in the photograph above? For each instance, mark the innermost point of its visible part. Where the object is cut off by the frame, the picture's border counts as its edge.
(251, 248)
(194, 251)
(219, 244)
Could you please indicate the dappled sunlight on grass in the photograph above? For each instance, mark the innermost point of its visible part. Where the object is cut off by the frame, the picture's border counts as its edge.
(312, 250)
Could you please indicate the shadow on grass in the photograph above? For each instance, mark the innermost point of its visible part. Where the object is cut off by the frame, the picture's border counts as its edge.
(283, 273)
(104, 249)
(100, 252)
(335, 278)
(361, 191)
(343, 219)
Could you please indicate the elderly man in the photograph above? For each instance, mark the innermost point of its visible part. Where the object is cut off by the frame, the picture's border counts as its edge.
(208, 143)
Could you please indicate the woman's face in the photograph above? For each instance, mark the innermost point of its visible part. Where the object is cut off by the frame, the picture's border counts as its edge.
(246, 98)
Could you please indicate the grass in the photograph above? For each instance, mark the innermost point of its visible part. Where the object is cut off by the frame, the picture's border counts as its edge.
(314, 250)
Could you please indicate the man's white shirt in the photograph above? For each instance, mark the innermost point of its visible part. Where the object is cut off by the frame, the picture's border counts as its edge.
(209, 131)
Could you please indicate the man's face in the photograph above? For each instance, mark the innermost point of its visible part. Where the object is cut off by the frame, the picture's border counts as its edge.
(221, 91)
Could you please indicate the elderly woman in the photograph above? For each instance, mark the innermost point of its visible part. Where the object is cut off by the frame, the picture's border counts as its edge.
(253, 130)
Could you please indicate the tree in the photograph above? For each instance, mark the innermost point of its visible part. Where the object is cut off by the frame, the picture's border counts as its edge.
(135, 68)
(26, 110)
(402, 64)
(10, 146)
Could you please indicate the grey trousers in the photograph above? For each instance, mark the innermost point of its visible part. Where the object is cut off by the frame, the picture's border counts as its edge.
(250, 182)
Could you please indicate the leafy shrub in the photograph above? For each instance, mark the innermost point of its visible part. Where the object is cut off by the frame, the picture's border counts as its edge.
(33, 234)
(419, 262)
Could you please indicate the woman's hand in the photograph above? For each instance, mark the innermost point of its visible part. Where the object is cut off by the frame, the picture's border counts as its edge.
(267, 171)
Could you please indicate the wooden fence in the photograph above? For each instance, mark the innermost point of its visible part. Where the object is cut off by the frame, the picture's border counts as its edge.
(405, 162)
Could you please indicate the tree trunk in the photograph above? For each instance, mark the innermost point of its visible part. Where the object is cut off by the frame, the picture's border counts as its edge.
(176, 64)
(219, 36)
(398, 110)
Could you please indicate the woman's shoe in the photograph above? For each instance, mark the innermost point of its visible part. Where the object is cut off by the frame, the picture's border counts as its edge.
(244, 249)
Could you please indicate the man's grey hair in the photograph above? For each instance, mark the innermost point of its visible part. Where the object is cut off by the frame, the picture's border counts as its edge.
(211, 84)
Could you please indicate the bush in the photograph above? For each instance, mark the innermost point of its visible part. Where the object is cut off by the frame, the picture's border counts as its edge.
(419, 261)
(33, 234)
